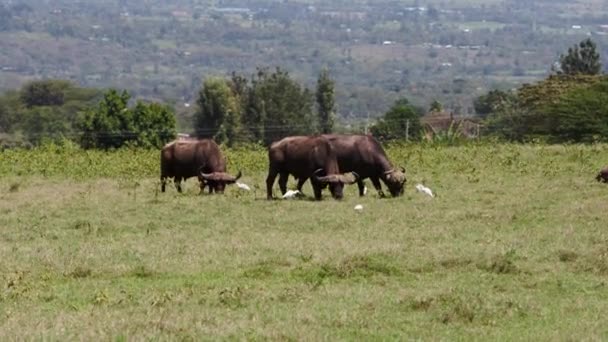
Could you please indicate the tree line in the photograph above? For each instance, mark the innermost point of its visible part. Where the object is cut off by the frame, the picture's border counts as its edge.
(571, 105)
(260, 109)
(263, 108)
(57, 110)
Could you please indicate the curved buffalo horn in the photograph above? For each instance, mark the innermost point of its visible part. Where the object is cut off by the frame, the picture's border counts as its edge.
(325, 179)
(389, 172)
(402, 169)
(221, 177)
(336, 178)
(235, 178)
(350, 180)
(318, 179)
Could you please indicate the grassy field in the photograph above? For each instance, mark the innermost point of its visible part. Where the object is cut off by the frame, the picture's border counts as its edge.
(514, 247)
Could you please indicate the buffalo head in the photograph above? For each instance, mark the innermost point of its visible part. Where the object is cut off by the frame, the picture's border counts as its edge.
(335, 182)
(395, 181)
(218, 180)
(602, 176)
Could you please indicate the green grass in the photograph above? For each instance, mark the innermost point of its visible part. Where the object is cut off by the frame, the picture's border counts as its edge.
(513, 247)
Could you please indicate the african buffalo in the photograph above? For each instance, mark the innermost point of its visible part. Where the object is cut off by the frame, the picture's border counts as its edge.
(364, 155)
(602, 176)
(182, 159)
(306, 157)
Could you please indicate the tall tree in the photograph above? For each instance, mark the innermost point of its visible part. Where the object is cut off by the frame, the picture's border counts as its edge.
(278, 106)
(6, 118)
(44, 93)
(109, 125)
(491, 102)
(399, 122)
(580, 116)
(218, 114)
(436, 107)
(325, 102)
(153, 123)
(44, 123)
(581, 59)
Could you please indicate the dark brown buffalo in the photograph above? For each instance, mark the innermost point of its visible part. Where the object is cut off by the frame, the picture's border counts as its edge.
(602, 176)
(306, 157)
(182, 159)
(364, 155)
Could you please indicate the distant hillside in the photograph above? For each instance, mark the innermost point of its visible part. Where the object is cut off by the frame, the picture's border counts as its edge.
(423, 50)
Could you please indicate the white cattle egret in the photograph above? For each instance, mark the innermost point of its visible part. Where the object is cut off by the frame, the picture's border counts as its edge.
(291, 194)
(243, 186)
(424, 189)
(358, 207)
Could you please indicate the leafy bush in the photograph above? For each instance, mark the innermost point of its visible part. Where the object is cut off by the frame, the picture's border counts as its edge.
(113, 124)
(558, 109)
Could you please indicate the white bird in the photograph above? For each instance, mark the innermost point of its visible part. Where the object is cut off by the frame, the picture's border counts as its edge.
(291, 194)
(358, 207)
(243, 186)
(424, 189)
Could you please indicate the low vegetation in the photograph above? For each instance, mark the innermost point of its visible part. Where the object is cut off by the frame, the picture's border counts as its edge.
(512, 247)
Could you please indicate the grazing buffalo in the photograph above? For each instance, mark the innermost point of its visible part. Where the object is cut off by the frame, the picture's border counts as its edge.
(602, 176)
(306, 157)
(182, 159)
(365, 156)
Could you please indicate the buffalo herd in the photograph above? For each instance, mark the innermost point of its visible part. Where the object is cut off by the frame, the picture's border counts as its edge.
(329, 161)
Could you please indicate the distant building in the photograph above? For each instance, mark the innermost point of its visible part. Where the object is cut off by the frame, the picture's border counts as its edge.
(345, 15)
(233, 10)
(180, 14)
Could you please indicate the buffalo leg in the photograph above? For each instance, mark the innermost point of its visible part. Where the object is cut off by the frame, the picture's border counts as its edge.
(283, 177)
(316, 188)
(163, 183)
(201, 184)
(177, 181)
(361, 186)
(272, 175)
(301, 182)
(377, 185)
